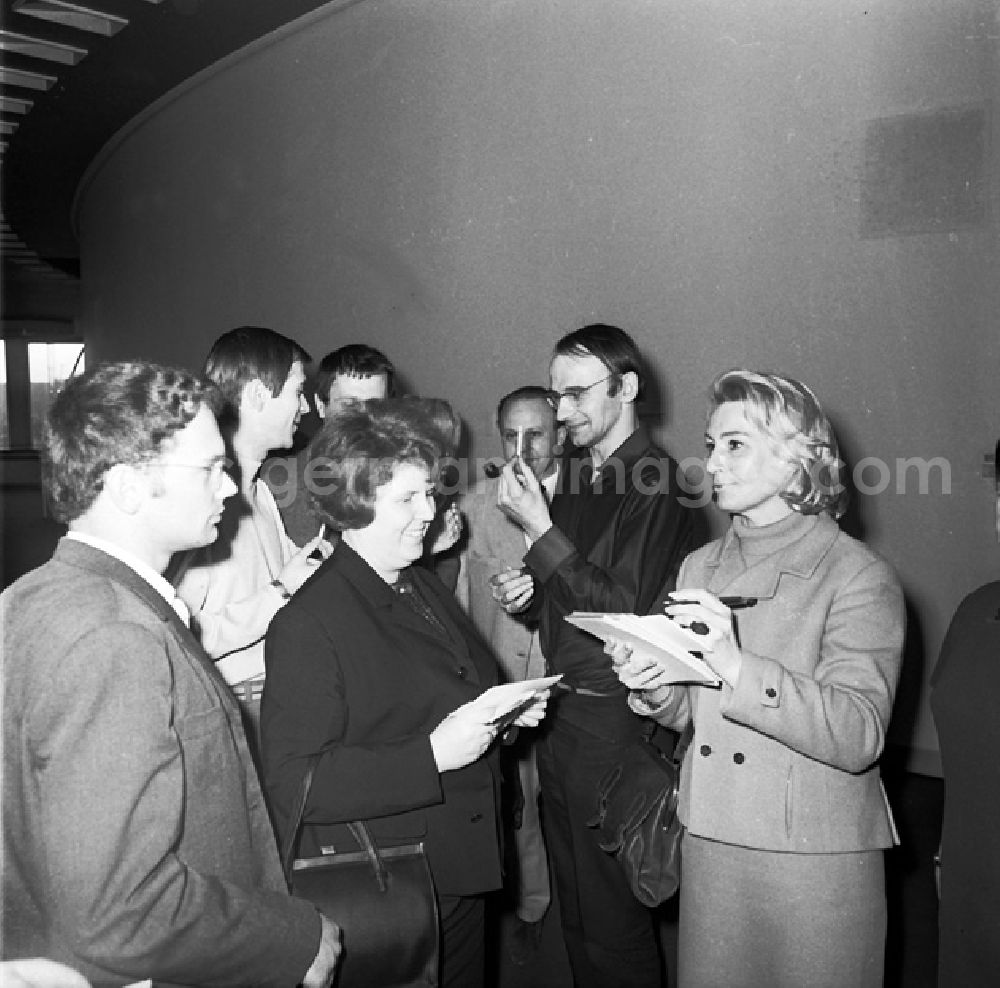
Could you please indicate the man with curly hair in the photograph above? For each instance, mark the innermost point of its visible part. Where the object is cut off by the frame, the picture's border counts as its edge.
(136, 844)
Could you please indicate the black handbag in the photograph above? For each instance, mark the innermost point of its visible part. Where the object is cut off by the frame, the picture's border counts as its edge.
(637, 817)
(382, 899)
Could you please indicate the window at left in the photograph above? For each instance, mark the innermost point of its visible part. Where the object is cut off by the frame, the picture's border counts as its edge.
(30, 376)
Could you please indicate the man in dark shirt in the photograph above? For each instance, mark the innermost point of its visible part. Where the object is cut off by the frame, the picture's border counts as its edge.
(612, 540)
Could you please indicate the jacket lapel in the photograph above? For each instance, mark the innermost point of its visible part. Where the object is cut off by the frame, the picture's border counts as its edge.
(727, 575)
(496, 535)
(396, 610)
(83, 556)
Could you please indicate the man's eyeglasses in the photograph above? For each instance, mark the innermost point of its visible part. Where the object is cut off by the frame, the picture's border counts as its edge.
(215, 470)
(574, 395)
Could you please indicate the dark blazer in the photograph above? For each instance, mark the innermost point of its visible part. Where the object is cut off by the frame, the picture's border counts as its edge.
(136, 843)
(965, 693)
(354, 671)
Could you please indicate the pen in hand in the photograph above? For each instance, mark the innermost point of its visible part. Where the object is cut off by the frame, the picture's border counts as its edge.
(733, 603)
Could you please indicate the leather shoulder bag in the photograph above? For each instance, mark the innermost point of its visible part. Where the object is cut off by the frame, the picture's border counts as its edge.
(637, 817)
(382, 899)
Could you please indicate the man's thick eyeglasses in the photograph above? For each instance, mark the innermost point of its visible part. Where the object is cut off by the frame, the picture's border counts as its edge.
(574, 395)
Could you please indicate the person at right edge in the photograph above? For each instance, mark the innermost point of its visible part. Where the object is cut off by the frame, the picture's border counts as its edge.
(785, 818)
(616, 533)
(965, 689)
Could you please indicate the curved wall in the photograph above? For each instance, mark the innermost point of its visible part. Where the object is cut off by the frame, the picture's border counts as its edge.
(461, 183)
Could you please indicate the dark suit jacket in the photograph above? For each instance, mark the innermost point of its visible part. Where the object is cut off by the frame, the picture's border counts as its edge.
(964, 698)
(136, 843)
(615, 543)
(354, 671)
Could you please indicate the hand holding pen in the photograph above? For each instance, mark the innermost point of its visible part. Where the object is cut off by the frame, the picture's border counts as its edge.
(714, 618)
(733, 603)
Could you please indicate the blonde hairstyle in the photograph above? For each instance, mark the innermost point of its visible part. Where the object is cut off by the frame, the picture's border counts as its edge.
(792, 419)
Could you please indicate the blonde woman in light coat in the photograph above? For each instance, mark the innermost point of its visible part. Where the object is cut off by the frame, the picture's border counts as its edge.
(784, 812)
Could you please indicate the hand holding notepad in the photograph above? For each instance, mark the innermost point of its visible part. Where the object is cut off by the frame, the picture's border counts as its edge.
(500, 706)
(470, 729)
(675, 649)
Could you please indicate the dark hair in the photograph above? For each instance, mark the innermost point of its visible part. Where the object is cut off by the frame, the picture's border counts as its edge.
(612, 346)
(439, 417)
(530, 392)
(114, 413)
(790, 416)
(250, 353)
(360, 446)
(353, 360)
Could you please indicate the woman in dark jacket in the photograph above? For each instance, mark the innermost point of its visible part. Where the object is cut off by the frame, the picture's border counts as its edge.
(373, 664)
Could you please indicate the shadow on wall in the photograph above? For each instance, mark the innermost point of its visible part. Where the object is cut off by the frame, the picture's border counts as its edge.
(857, 523)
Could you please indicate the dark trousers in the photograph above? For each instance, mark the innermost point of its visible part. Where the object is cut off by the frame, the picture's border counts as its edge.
(463, 941)
(610, 937)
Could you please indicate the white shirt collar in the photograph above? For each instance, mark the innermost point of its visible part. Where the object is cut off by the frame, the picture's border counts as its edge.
(549, 484)
(154, 579)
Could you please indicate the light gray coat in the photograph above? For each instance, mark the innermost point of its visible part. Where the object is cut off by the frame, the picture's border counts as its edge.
(495, 543)
(787, 761)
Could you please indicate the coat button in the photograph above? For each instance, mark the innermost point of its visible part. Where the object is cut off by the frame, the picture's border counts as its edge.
(476, 817)
(462, 672)
(706, 749)
(770, 692)
(739, 758)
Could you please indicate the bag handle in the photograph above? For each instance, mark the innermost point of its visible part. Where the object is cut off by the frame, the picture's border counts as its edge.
(684, 739)
(358, 829)
(684, 742)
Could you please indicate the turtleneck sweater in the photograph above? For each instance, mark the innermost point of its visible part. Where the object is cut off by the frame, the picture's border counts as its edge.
(757, 542)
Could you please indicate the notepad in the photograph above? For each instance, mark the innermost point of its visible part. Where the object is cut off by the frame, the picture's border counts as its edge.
(675, 649)
(501, 705)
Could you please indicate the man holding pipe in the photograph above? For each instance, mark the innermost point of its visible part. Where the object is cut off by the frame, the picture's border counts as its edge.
(612, 539)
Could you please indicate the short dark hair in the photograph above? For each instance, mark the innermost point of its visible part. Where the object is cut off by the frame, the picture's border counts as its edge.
(113, 413)
(439, 417)
(530, 392)
(612, 346)
(353, 360)
(360, 446)
(250, 353)
(790, 416)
